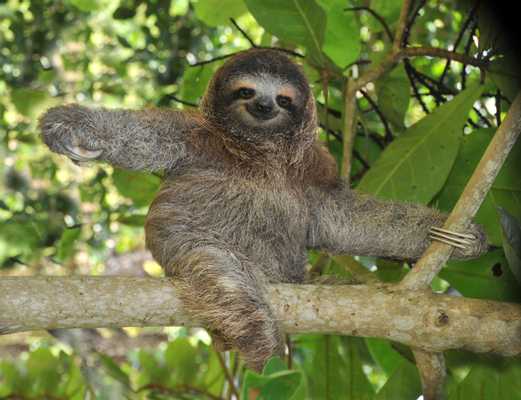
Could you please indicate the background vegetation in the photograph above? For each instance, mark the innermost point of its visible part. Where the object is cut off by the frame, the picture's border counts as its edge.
(420, 129)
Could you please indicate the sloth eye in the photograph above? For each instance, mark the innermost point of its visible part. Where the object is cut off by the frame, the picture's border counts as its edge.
(246, 93)
(284, 101)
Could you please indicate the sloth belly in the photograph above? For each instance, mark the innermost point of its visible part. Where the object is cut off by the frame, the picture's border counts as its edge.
(267, 224)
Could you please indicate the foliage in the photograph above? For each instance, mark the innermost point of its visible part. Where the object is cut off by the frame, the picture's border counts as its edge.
(421, 129)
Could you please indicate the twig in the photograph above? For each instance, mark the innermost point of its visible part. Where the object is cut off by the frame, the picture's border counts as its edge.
(470, 200)
(377, 16)
(466, 24)
(227, 375)
(243, 33)
(388, 132)
(212, 60)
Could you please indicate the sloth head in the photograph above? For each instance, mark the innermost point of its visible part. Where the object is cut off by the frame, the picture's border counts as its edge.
(261, 98)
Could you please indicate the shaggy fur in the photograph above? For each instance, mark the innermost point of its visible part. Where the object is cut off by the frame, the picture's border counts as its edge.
(241, 203)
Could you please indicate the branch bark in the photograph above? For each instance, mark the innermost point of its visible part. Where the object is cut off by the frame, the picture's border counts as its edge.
(421, 319)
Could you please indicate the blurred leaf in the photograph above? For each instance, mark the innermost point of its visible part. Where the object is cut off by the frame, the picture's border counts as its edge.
(393, 93)
(403, 384)
(218, 12)
(114, 370)
(487, 277)
(30, 102)
(181, 360)
(504, 73)
(341, 375)
(43, 371)
(65, 246)
(385, 356)
(275, 383)
(297, 21)
(500, 380)
(138, 186)
(85, 5)
(133, 219)
(512, 242)
(414, 167)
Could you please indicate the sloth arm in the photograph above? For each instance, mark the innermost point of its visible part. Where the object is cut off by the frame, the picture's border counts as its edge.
(145, 140)
(344, 221)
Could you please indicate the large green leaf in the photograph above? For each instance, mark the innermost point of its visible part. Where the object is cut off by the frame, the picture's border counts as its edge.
(393, 95)
(488, 277)
(297, 21)
(505, 191)
(497, 380)
(415, 166)
(335, 369)
(138, 186)
(342, 36)
(403, 384)
(218, 12)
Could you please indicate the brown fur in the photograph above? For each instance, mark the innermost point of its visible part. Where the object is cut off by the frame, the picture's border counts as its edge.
(240, 205)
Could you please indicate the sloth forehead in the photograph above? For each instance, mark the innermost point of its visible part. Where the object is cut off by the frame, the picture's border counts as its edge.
(265, 83)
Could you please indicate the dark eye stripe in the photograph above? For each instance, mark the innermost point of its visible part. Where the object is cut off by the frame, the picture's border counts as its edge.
(284, 101)
(246, 93)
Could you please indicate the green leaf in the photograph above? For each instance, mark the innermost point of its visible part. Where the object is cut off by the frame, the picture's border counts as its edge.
(43, 371)
(297, 21)
(341, 375)
(218, 12)
(138, 186)
(403, 384)
(393, 95)
(487, 277)
(505, 191)
(383, 353)
(181, 360)
(30, 102)
(195, 81)
(275, 383)
(65, 246)
(85, 5)
(342, 36)
(511, 229)
(497, 380)
(415, 166)
(114, 370)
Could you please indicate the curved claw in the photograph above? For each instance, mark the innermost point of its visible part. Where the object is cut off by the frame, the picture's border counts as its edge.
(77, 153)
(455, 239)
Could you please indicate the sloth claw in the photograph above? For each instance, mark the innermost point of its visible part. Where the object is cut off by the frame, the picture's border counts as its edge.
(455, 239)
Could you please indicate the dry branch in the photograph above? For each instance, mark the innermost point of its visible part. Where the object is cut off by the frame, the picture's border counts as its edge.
(421, 319)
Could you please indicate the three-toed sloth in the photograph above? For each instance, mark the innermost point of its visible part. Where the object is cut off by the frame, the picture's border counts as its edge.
(247, 191)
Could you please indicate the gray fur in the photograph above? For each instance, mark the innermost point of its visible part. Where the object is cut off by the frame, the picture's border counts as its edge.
(240, 207)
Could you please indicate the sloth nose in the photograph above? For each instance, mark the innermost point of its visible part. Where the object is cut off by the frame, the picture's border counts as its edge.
(264, 105)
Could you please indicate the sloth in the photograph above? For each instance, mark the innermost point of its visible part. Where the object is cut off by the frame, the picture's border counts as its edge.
(247, 190)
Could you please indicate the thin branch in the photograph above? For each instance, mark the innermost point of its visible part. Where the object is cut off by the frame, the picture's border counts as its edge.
(227, 375)
(470, 200)
(388, 132)
(459, 38)
(443, 53)
(401, 26)
(421, 319)
(243, 33)
(377, 16)
(212, 60)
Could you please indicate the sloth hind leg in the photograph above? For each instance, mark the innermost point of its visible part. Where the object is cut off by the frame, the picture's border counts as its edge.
(221, 290)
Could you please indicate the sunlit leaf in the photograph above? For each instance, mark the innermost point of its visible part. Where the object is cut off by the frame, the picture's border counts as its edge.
(219, 12)
(415, 166)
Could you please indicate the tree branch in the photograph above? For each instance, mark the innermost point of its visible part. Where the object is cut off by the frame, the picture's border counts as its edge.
(470, 200)
(421, 319)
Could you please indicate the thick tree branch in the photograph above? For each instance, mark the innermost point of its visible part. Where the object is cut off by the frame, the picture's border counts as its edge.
(421, 319)
(470, 200)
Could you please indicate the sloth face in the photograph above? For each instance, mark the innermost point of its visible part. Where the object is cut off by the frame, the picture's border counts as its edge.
(263, 101)
(261, 96)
